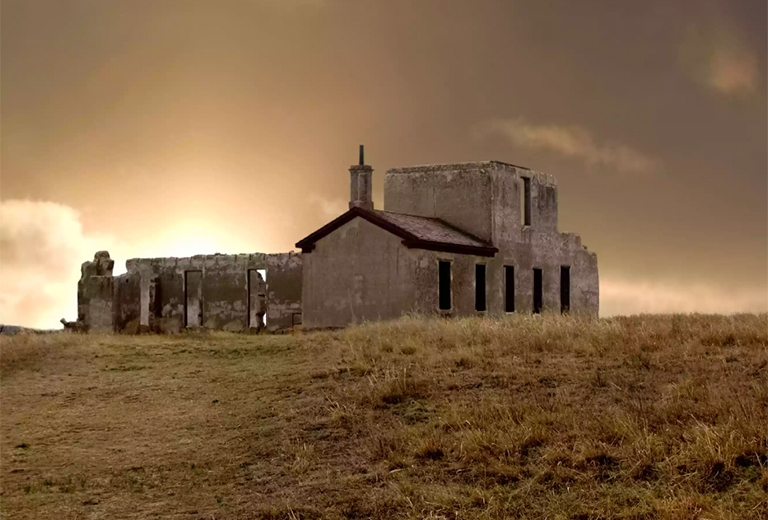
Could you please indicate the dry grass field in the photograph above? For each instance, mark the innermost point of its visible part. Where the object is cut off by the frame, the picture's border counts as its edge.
(527, 417)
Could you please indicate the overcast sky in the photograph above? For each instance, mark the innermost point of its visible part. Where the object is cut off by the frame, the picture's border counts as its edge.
(160, 128)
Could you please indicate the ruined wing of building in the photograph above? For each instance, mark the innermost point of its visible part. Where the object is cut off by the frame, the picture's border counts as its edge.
(463, 239)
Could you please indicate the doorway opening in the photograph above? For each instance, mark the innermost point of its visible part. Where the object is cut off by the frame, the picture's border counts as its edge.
(257, 299)
(193, 298)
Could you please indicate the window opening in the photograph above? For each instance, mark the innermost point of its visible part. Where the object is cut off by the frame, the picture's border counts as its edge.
(565, 289)
(444, 285)
(537, 291)
(480, 287)
(509, 288)
(525, 202)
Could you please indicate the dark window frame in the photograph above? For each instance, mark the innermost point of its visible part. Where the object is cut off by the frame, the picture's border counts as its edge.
(538, 290)
(525, 215)
(444, 285)
(481, 289)
(509, 288)
(565, 289)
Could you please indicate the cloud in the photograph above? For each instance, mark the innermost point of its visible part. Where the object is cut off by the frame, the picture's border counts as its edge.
(733, 72)
(624, 297)
(42, 245)
(719, 59)
(570, 141)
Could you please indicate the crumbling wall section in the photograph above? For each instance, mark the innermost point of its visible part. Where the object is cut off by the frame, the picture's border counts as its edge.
(284, 280)
(156, 294)
(95, 294)
(224, 299)
(127, 302)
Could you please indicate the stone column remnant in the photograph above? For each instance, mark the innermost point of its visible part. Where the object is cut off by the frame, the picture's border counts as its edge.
(94, 294)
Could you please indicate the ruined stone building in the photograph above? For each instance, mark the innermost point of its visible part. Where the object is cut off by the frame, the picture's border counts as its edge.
(462, 239)
(228, 292)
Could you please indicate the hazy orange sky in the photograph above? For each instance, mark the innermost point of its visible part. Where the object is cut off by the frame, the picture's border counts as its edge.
(159, 128)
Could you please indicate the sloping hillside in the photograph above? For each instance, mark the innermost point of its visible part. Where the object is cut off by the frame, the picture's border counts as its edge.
(531, 417)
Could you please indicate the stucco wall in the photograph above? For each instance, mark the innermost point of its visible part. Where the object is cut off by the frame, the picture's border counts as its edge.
(459, 194)
(548, 257)
(482, 198)
(506, 207)
(485, 198)
(359, 272)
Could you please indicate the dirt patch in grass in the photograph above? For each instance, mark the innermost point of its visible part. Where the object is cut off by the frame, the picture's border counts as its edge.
(534, 417)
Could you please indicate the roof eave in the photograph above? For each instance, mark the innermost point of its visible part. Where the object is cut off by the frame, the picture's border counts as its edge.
(446, 247)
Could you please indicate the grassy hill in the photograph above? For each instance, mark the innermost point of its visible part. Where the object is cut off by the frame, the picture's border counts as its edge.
(529, 417)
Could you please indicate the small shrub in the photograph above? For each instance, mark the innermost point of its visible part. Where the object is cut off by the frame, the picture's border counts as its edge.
(716, 477)
(464, 362)
(598, 381)
(398, 386)
(431, 449)
(385, 446)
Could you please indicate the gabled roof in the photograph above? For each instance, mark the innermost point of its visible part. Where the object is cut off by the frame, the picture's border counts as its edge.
(417, 232)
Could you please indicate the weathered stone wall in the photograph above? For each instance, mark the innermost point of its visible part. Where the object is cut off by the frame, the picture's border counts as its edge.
(584, 298)
(94, 293)
(224, 292)
(506, 207)
(492, 192)
(459, 194)
(482, 198)
(359, 272)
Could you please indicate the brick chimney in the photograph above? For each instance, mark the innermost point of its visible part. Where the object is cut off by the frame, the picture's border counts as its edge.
(360, 177)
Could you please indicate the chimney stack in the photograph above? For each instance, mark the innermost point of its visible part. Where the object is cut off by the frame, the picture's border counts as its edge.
(360, 176)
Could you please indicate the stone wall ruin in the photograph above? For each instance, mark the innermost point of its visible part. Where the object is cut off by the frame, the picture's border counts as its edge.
(238, 293)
